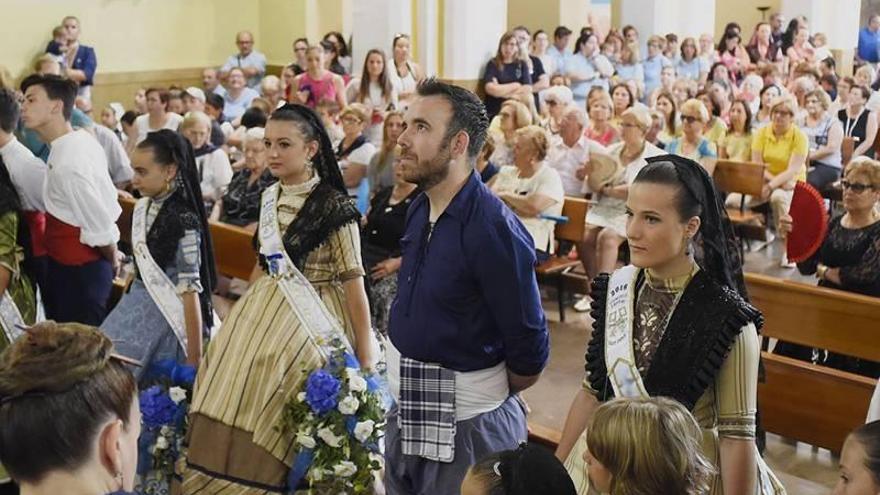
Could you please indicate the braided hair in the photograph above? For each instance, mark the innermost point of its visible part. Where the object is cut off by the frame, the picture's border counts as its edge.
(717, 253)
(171, 148)
(310, 125)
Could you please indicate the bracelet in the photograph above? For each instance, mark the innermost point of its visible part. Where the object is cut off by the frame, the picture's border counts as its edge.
(821, 270)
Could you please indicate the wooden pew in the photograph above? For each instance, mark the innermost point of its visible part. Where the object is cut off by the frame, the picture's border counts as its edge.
(575, 209)
(802, 401)
(234, 253)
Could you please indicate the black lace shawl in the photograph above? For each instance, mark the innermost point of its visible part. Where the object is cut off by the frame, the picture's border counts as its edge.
(326, 210)
(174, 218)
(698, 339)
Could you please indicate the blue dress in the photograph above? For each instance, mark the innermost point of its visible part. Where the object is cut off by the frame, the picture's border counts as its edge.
(136, 325)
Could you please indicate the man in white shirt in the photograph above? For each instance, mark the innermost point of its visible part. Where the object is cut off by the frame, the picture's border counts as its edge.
(81, 206)
(28, 174)
(250, 61)
(571, 150)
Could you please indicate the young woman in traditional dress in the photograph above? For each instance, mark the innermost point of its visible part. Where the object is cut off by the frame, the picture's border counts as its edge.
(307, 290)
(167, 311)
(675, 324)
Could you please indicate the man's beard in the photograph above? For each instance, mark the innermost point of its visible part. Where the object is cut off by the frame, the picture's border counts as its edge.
(430, 172)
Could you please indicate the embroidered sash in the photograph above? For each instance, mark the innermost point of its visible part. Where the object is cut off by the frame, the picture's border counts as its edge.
(161, 289)
(297, 290)
(619, 319)
(10, 318)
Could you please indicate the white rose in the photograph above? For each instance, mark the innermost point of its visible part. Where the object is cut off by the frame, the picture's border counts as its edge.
(161, 443)
(165, 431)
(326, 434)
(301, 397)
(306, 441)
(177, 394)
(344, 469)
(364, 429)
(357, 383)
(349, 405)
(317, 474)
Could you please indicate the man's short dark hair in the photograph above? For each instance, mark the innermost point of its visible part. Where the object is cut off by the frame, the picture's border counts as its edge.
(129, 117)
(253, 117)
(561, 32)
(56, 87)
(521, 28)
(214, 100)
(468, 113)
(10, 110)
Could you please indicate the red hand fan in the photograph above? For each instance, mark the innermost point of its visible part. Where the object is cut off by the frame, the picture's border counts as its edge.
(809, 223)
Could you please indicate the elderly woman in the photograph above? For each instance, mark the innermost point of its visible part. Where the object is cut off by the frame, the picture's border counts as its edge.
(212, 162)
(692, 144)
(859, 122)
(783, 148)
(606, 219)
(849, 258)
(825, 133)
(240, 205)
(381, 173)
(737, 144)
(556, 98)
(380, 244)
(599, 109)
(354, 153)
(531, 188)
(513, 116)
(157, 116)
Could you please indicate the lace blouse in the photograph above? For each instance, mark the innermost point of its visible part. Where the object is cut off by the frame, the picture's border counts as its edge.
(856, 252)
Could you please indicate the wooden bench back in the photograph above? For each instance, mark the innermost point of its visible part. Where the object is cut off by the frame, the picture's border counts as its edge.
(847, 147)
(124, 220)
(739, 177)
(576, 211)
(233, 250)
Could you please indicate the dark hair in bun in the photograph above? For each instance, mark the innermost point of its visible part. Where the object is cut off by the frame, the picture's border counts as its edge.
(58, 384)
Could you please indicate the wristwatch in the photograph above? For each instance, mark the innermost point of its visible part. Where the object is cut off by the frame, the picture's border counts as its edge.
(821, 270)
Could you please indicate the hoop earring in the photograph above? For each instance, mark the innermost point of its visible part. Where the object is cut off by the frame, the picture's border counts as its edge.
(120, 481)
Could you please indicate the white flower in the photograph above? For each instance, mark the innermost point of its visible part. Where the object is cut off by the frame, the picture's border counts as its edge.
(344, 469)
(317, 474)
(161, 443)
(326, 434)
(165, 431)
(363, 430)
(348, 405)
(177, 394)
(356, 383)
(306, 441)
(301, 397)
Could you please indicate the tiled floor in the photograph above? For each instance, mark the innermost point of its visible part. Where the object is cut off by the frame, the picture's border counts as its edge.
(804, 470)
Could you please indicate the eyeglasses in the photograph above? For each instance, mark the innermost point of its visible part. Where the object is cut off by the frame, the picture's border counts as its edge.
(782, 113)
(855, 186)
(628, 125)
(690, 119)
(300, 49)
(348, 119)
(552, 103)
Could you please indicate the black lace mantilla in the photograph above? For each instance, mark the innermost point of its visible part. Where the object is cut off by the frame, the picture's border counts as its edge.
(698, 339)
(325, 211)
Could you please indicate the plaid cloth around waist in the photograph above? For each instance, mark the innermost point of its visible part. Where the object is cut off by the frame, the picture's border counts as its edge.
(426, 415)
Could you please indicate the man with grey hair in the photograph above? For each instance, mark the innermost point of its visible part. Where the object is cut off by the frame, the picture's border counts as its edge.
(570, 151)
(250, 61)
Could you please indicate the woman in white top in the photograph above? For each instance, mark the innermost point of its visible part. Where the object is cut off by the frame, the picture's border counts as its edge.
(355, 152)
(157, 116)
(540, 44)
(532, 188)
(403, 73)
(215, 171)
(606, 219)
(375, 91)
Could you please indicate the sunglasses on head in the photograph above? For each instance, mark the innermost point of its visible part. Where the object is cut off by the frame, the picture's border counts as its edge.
(855, 186)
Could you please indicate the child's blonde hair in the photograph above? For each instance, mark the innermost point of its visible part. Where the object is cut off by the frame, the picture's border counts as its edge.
(649, 446)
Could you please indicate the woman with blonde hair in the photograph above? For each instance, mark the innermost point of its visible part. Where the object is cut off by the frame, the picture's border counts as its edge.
(512, 116)
(825, 132)
(600, 108)
(355, 152)
(629, 67)
(622, 457)
(692, 144)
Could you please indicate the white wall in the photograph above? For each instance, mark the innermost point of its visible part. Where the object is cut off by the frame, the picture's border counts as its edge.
(838, 19)
(375, 22)
(473, 29)
(683, 17)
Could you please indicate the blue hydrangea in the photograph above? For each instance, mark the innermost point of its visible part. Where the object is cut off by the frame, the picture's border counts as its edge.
(322, 390)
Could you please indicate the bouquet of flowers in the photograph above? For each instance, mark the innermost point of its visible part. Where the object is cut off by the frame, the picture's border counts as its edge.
(337, 418)
(164, 409)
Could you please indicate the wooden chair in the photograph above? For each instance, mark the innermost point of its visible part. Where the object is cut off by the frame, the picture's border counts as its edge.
(234, 253)
(746, 178)
(575, 209)
(800, 400)
(123, 223)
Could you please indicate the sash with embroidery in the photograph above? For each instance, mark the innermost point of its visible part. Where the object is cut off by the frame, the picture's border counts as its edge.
(302, 298)
(10, 318)
(620, 358)
(161, 289)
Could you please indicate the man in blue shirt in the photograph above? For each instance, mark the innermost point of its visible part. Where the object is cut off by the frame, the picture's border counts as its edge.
(559, 51)
(869, 37)
(467, 331)
(80, 61)
(250, 61)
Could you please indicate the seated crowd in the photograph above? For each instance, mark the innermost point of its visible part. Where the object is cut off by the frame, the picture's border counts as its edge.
(321, 154)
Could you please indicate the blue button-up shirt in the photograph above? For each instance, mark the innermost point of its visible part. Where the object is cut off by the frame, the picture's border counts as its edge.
(869, 44)
(467, 297)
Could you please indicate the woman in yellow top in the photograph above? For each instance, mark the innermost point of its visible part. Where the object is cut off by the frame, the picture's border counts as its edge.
(783, 147)
(737, 144)
(715, 128)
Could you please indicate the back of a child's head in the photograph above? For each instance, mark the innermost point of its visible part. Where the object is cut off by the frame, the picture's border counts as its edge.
(649, 446)
(528, 470)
